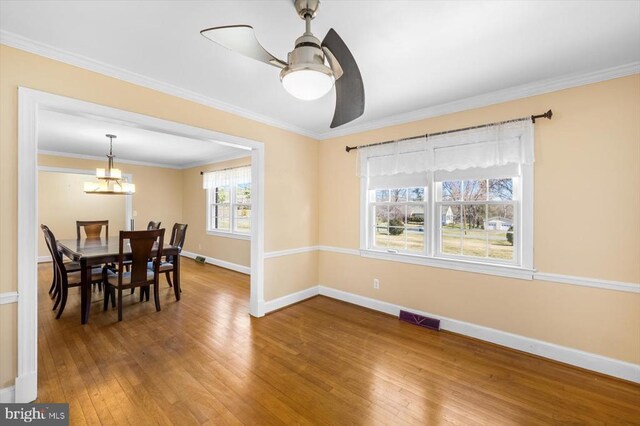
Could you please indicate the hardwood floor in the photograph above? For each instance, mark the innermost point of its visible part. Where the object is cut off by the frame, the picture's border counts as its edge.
(204, 360)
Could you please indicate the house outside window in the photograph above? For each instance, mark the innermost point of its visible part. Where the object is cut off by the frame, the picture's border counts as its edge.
(229, 202)
(461, 201)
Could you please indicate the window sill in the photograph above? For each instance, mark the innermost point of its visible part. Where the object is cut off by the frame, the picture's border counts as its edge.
(229, 235)
(455, 264)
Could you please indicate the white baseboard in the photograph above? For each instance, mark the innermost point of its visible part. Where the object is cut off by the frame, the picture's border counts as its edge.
(8, 395)
(290, 299)
(217, 262)
(589, 361)
(43, 259)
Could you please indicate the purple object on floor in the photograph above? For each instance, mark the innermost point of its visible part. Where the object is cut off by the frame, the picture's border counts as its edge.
(422, 321)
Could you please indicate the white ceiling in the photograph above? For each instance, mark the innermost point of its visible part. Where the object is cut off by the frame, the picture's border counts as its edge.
(66, 134)
(413, 55)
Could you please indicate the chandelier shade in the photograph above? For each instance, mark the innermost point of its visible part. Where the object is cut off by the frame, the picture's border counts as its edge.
(109, 180)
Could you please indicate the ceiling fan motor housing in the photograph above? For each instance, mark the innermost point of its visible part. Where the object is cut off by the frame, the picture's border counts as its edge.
(307, 55)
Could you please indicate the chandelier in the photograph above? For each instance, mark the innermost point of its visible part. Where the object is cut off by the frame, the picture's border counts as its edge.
(109, 181)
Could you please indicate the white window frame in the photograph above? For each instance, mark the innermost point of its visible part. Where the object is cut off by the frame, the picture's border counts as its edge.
(521, 267)
(231, 233)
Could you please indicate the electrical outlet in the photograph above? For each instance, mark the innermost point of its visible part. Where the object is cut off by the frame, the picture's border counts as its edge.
(376, 283)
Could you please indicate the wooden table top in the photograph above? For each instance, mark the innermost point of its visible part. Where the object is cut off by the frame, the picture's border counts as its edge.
(101, 247)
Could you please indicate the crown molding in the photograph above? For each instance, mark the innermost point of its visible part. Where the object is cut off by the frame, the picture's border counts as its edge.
(512, 93)
(146, 163)
(19, 42)
(101, 158)
(509, 94)
(217, 160)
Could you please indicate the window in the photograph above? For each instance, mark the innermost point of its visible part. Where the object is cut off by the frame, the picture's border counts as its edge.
(229, 201)
(464, 201)
(476, 218)
(398, 219)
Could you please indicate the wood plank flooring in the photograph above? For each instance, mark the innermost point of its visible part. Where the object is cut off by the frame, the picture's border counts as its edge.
(204, 360)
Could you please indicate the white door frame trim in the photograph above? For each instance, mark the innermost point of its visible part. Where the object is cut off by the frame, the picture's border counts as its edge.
(30, 102)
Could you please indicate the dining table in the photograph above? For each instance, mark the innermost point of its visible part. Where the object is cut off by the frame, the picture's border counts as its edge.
(89, 252)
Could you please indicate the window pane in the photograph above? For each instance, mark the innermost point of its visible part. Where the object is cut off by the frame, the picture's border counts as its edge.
(243, 193)
(396, 195)
(221, 194)
(451, 229)
(501, 189)
(220, 217)
(416, 194)
(381, 238)
(397, 221)
(451, 190)
(415, 228)
(500, 230)
(381, 213)
(474, 239)
(397, 215)
(242, 219)
(475, 190)
(382, 195)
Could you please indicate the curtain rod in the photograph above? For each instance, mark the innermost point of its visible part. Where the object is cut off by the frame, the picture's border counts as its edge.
(533, 118)
(228, 168)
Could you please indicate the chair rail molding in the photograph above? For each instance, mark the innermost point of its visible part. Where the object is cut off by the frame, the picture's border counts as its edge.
(8, 297)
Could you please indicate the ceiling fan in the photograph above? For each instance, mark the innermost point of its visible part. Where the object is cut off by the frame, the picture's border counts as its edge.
(312, 68)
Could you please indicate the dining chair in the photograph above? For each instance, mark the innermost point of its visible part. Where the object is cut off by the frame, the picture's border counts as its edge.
(65, 279)
(92, 228)
(178, 235)
(150, 226)
(70, 266)
(141, 243)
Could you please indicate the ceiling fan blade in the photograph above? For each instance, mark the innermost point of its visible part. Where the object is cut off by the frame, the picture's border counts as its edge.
(242, 39)
(349, 86)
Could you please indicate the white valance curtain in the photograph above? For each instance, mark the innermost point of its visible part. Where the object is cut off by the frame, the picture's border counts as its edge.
(408, 162)
(228, 177)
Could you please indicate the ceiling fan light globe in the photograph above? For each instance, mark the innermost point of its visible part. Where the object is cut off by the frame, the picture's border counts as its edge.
(307, 84)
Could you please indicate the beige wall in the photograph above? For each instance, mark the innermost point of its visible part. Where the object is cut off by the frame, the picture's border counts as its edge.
(587, 210)
(158, 194)
(62, 201)
(291, 160)
(8, 344)
(194, 212)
